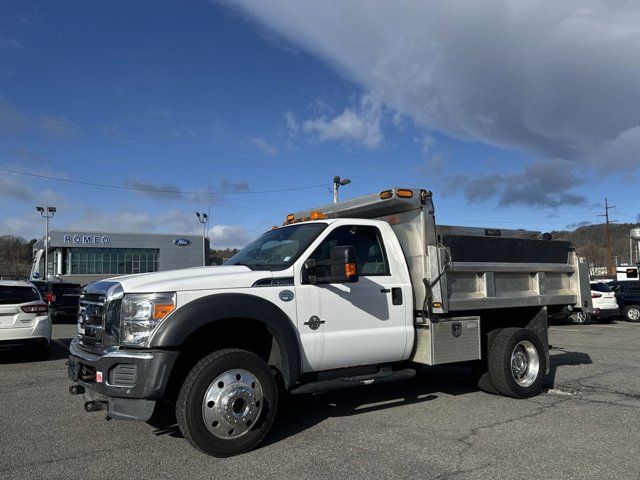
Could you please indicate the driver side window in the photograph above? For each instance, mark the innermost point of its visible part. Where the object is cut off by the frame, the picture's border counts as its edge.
(372, 258)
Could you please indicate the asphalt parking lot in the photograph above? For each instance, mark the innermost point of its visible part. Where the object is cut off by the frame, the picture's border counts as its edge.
(586, 425)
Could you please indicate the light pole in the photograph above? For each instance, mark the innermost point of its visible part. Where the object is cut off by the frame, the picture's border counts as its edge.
(337, 183)
(203, 218)
(47, 212)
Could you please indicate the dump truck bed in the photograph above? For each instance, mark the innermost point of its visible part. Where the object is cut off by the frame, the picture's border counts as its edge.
(457, 269)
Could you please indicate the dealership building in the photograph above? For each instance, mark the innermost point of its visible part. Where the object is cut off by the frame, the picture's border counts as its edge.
(83, 257)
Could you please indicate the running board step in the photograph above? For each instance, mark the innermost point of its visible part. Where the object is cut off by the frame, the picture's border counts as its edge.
(381, 377)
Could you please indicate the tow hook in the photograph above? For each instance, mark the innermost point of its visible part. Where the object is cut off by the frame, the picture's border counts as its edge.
(95, 405)
(76, 389)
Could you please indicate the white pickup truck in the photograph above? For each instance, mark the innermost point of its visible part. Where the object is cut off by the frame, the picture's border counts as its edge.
(355, 293)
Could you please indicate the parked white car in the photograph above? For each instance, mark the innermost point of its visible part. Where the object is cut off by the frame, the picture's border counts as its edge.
(605, 305)
(24, 317)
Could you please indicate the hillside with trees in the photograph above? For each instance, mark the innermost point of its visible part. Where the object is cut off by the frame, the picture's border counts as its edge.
(591, 242)
(219, 256)
(15, 257)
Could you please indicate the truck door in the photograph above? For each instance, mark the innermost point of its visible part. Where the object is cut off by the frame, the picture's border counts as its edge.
(347, 324)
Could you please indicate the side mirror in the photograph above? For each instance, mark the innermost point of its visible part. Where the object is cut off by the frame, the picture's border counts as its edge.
(342, 267)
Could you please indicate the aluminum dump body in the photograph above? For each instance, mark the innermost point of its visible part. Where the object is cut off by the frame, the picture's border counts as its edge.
(458, 269)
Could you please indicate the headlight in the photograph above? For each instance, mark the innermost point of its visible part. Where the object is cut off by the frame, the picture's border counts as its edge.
(142, 313)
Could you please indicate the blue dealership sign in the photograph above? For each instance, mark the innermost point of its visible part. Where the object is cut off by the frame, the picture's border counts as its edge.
(182, 242)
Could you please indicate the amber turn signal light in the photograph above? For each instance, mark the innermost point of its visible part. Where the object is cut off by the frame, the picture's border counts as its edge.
(350, 270)
(161, 310)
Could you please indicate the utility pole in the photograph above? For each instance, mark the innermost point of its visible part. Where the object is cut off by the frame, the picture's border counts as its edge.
(48, 213)
(203, 218)
(607, 207)
(337, 183)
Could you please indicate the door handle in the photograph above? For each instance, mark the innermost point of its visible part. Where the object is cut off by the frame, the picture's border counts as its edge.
(385, 290)
(396, 296)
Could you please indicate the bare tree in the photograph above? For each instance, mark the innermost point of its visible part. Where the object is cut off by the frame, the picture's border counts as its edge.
(15, 256)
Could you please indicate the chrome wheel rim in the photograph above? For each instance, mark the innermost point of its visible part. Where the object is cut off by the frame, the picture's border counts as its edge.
(581, 317)
(232, 404)
(525, 363)
(634, 314)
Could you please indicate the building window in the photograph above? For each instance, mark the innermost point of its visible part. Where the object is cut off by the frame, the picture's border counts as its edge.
(111, 261)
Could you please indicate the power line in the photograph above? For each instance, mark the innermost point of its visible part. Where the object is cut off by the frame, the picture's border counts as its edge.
(173, 145)
(155, 190)
(626, 205)
(205, 193)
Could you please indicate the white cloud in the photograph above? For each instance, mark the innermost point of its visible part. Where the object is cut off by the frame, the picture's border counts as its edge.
(621, 153)
(10, 43)
(229, 236)
(13, 189)
(359, 125)
(263, 145)
(292, 124)
(23, 226)
(555, 78)
(170, 221)
(16, 189)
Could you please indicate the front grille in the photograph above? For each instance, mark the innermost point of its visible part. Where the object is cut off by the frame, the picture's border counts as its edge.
(98, 319)
(90, 319)
(93, 297)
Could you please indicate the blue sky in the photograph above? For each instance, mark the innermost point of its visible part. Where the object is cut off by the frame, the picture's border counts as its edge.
(238, 97)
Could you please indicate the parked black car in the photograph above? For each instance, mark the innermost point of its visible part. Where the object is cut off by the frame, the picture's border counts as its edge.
(628, 297)
(63, 298)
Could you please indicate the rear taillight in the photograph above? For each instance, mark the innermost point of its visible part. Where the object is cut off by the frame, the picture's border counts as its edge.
(596, 295)
(35, 308)
(50, 297)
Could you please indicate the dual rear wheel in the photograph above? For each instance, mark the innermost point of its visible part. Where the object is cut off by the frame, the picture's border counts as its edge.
(516, 364)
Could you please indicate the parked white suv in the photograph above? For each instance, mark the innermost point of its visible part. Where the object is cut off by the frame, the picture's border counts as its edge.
(24, 317)
(605, 305)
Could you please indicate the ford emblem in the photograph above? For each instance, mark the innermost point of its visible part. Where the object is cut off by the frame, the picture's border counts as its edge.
(182, 242)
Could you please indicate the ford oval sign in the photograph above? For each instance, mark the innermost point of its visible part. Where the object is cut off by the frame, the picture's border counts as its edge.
(182, 242)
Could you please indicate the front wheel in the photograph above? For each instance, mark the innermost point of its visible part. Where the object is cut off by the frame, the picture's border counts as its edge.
(632, 313)
(517, 362)
(228, 403)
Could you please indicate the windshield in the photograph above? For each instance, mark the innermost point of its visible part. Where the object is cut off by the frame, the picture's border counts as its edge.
(277, 249)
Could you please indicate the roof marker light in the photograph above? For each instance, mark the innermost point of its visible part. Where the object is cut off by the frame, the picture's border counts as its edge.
(404, 193)
(317, 216)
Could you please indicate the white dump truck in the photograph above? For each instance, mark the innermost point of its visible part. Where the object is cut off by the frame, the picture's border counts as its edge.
(360, 292)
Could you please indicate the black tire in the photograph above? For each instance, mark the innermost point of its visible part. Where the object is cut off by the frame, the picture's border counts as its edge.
(190, 405)
(580, 318)
(632, 313)
(503, 378)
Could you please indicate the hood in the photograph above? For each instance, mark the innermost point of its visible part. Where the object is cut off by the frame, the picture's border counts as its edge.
(197, 278)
